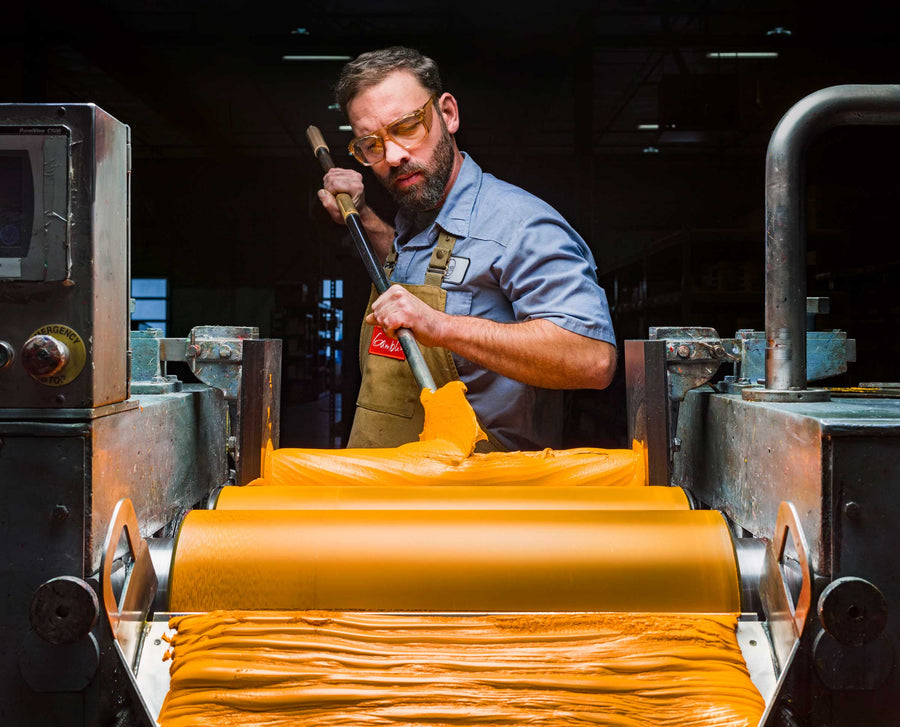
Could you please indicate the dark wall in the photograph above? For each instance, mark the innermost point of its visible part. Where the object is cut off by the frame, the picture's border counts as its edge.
(224, 184)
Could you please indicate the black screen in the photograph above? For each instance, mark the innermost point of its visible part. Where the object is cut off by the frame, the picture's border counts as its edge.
(16, 203)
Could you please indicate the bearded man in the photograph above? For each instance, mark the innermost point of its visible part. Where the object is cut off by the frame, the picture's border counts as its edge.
(496, 286)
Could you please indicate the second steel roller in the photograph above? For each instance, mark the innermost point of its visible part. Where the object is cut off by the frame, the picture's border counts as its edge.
(665, 561)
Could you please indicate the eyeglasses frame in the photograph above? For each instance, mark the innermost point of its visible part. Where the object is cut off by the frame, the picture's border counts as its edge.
(383, 134)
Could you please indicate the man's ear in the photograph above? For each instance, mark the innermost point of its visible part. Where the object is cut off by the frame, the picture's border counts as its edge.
(450, 111)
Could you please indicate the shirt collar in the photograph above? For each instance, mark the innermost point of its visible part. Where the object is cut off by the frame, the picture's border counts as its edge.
(456, 214)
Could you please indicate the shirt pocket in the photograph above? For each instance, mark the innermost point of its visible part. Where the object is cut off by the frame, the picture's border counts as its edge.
(459, 302)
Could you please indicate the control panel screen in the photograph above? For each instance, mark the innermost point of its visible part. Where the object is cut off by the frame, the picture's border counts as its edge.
(16, 203)
(34, 203)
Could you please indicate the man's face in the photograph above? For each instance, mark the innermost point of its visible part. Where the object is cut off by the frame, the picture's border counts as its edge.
(416, 179)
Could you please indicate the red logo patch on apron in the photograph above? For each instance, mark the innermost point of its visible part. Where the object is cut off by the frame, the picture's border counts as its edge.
(383, 345)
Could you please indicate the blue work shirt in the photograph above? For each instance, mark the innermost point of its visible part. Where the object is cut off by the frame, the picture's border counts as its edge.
(515, 259)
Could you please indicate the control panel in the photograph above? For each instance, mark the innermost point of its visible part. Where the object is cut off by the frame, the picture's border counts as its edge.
(64, 209)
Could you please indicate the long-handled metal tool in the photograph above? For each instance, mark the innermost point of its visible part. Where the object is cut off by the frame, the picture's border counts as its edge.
(407, 341)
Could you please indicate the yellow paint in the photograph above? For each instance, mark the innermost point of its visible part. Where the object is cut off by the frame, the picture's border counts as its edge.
(457, 548)
(450, 417)
(450, 497)
(862, 390)
(435, 462)
(329, 669)
(677, 561)
(443, 456)
(556, 534)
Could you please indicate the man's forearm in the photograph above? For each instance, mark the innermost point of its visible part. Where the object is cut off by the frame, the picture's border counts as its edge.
(537, 352)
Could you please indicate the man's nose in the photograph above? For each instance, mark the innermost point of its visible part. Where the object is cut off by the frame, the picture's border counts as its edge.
(394, 154)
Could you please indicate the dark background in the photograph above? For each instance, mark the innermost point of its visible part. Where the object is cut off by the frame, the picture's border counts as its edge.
(551, 97)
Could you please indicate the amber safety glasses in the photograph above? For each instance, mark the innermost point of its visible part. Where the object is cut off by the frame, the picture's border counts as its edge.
(408, 131)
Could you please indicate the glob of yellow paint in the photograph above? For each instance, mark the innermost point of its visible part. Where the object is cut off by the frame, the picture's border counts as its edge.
(449, 417)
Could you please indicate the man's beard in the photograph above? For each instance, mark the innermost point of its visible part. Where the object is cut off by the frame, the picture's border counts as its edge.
(426, 195)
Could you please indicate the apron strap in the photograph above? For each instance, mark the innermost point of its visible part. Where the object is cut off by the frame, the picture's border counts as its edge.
(390, 262)
(440, 258)
(437, 266)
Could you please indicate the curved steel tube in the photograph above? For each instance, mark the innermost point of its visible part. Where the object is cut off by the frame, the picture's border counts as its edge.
(785, 233)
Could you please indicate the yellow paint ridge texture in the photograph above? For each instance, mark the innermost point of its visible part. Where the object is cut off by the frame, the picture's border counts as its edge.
(678, 561)
(327, 669)
(444, 456)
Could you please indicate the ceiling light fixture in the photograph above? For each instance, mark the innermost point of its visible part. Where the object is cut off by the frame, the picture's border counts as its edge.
(648, 127)
(651, 150)
(778, 30)
(741, 54)
(316, 58)
(344, 127)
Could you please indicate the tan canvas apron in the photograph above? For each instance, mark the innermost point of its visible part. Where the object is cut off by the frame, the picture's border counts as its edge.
(388, 410)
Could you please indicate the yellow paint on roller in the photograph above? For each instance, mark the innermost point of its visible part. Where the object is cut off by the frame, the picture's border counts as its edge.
(450, 497)
(451, 560)
(443, 456)
(330, 669)
(577, 543)
(429, 463)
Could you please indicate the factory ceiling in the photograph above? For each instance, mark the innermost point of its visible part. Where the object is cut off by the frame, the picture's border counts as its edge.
(208, 78)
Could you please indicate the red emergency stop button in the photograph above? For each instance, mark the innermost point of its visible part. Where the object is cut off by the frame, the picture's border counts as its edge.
(54, 355)
(44, 355)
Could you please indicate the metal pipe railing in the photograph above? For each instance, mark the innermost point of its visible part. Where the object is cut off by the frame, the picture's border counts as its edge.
(785, 218)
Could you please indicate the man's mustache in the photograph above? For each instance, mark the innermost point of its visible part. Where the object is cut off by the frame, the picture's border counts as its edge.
(402, 171)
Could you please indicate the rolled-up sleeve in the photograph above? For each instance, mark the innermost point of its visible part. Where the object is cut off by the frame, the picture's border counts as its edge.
(547, 271)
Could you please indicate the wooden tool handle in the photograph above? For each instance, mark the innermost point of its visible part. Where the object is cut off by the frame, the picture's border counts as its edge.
(317, 141)
(323, 154)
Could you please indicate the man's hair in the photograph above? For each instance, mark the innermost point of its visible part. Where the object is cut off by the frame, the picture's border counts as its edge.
(370, 69)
